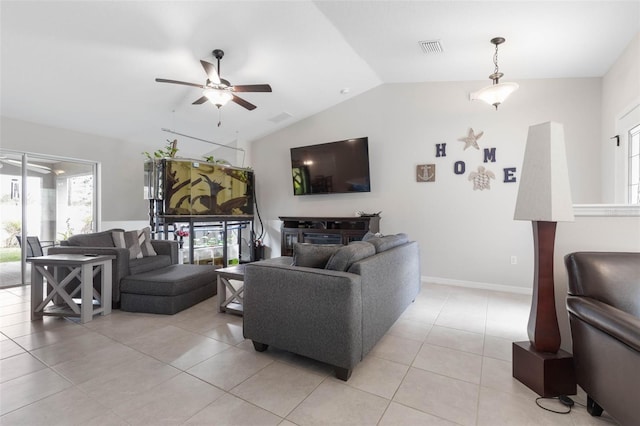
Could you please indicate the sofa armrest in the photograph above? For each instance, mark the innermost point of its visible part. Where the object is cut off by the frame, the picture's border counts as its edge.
(618, 324)
(610, 277)
(167, 247)
(392, 280)
(312, 312)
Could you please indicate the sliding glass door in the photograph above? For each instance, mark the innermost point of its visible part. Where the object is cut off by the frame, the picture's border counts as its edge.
(45, 197)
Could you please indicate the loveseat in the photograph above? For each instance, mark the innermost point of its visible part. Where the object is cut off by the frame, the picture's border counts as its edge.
(604, 315)
(146, 276)
(331, 303)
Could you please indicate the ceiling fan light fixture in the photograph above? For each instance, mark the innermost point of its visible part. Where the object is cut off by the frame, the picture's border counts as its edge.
(218, 97)
(497, 92)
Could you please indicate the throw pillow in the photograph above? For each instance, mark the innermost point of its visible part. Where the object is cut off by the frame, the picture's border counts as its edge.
(313, 255)
(388, 241)
(128, 240)
(144, 239)
(369, 235)
(95, 239)
(348, 255)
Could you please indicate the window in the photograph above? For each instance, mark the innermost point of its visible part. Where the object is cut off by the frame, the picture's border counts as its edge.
(47, 197)
(634, 165)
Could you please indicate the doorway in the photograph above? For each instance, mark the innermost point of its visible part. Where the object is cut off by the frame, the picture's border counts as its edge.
(41, 196)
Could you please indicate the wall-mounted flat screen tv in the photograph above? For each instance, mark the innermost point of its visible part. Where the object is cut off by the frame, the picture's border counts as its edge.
(331, 168)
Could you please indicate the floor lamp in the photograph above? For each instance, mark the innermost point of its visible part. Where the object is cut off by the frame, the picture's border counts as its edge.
(544, 198)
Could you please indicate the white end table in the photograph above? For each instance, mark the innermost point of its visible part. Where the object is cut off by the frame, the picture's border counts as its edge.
(233, 303)
(78, 266)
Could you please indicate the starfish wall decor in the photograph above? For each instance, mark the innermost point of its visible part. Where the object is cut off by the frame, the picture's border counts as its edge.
(471, 139)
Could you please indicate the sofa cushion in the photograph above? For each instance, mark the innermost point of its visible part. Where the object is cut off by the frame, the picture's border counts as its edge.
(345, 256)
(129, 240)
(170, 281)
(96, 239)
(149, 263)
(313, 255)
(388, 241)
(144, 239)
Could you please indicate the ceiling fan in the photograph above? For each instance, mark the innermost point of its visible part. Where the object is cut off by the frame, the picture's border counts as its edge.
(218, 90)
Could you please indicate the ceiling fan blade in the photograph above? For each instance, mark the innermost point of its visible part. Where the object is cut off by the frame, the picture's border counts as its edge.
(252, 88)
(200, 101)
(243, 103)
(211, 72)
(164, 80)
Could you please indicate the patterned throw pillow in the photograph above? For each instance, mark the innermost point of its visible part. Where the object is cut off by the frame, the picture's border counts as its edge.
(144, 239)
(128, 240)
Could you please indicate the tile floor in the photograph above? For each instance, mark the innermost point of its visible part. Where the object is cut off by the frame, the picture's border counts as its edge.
(446, 361)
(11, 274)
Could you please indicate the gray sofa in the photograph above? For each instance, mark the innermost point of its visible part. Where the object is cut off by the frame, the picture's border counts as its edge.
(604, 314)
(331, 303)
(154, 283)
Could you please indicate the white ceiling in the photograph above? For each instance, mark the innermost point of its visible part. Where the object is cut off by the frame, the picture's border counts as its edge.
(90, 66)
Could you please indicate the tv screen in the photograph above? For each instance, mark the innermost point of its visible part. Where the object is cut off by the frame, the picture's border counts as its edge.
(331, 168)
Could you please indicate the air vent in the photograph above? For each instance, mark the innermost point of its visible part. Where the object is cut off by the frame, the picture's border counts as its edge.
(431, 46)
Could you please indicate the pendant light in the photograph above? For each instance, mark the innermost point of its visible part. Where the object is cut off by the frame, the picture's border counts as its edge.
(497, 92)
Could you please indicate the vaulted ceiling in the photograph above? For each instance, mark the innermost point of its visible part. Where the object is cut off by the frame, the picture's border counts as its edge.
(90, 66)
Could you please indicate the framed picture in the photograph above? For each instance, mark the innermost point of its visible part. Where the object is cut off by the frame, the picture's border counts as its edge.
(426, 173)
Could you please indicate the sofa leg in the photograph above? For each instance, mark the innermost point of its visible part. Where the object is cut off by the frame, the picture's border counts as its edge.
(343, 373)
(593, 408)
(260, 347)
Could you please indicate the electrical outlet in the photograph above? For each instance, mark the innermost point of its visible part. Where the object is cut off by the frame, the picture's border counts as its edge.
(514, 260)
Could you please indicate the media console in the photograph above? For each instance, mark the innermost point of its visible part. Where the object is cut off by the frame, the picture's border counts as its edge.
(324, 230)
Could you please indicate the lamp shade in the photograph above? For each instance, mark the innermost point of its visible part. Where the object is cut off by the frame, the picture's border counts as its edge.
(544, 193)
(218, 97)
(496, 93)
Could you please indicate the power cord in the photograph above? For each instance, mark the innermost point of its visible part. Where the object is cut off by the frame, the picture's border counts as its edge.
(255, 200)
(563, 399)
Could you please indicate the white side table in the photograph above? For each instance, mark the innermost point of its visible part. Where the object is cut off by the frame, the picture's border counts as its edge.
(233, 303)
(78, 266)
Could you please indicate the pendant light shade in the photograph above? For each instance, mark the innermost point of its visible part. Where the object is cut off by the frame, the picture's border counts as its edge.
(495, 94)
(218, 97)
(498, 92)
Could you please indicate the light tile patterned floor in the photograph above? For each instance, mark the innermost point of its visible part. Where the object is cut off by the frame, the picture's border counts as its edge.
(446, 361)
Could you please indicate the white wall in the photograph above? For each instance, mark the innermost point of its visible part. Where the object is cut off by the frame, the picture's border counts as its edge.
(620, 94)
(121, 162)
(465, 235)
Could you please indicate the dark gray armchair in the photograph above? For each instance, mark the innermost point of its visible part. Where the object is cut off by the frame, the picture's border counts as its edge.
(604, 314)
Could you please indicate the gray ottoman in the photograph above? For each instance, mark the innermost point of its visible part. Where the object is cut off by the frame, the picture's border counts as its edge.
(167, 290)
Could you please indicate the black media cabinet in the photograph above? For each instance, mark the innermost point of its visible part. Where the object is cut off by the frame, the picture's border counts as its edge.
(324, 230)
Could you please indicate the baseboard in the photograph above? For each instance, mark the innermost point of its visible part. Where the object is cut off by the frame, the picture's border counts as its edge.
(477, 285)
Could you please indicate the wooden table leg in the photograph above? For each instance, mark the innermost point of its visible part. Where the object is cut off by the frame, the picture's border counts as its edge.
(222, 294)
(105, 288)
(37, 283)
(86, 313)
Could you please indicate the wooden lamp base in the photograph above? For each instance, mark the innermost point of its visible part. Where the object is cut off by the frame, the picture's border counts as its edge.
(547, 374)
